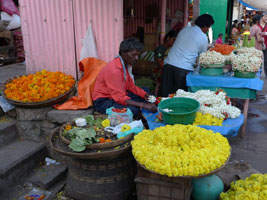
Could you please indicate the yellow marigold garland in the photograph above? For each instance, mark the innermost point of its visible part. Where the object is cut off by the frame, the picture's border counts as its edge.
(207, 119)
(180, 150)
(253, 188)
(105, 123)
(40, 86)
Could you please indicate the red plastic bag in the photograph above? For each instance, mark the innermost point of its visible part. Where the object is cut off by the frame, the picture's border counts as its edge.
(9, 7)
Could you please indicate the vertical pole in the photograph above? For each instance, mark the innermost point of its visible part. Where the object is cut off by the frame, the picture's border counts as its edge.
(196, 9)
(185, 12)
(163, 20)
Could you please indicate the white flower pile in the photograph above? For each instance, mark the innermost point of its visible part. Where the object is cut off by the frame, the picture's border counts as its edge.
(151, 99)
(250, 50)
(228, 58)
(211, 57)
(211, 103)
(246, 62)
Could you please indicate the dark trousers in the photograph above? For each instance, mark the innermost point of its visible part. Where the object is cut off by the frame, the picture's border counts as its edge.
(173, 78)
(102, 104)
(265, 61)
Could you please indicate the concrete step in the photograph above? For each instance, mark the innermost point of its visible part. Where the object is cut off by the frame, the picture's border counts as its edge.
(46, 176)
(17, 160)
(8, 131)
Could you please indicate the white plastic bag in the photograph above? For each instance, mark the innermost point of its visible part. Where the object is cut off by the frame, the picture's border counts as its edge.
(5, 16)
(89, 47)
(14, 23)
(6, 106)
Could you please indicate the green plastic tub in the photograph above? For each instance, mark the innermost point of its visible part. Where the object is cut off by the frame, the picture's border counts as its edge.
(183, 110)
(245, 74)
(211, 71)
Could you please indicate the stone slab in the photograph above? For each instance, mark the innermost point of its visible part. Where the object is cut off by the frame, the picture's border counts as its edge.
(32, 114)
(8, 132)
(64, 116)
(16, 153)
(30, 130)
(46, 176)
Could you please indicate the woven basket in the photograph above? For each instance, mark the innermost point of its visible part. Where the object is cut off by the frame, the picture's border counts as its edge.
(143, 68)
(36, 104)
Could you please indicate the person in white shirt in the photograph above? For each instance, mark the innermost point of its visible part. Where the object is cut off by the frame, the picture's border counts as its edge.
(191, 41)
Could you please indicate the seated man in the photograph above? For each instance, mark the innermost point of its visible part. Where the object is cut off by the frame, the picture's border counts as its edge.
(115, 87)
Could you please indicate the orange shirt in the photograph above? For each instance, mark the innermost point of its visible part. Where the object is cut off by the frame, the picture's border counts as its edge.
(110, 83)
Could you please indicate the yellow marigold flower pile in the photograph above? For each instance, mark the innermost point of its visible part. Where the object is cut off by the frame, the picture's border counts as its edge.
(40, 86)
(207, 119)
(180, 150)
(252, 188)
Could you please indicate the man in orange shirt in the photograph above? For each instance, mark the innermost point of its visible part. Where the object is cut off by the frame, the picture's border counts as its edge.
(115, 87)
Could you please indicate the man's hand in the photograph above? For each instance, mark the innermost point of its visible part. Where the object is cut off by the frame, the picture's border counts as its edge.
(146, 96)
(151, 107)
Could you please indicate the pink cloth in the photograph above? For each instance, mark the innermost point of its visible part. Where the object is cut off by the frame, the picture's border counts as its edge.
(234, 31)
(255, 31)
(110, 83)
(219, 41)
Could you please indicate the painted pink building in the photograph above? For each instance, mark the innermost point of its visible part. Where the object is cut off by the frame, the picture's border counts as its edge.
(53, 29)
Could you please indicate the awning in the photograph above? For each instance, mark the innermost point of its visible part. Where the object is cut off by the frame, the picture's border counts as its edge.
(255, 4)
(248, 6)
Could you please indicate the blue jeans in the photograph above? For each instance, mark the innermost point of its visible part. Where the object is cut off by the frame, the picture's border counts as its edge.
(102, 104)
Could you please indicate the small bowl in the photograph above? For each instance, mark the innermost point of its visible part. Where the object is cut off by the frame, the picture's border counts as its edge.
(183, 110)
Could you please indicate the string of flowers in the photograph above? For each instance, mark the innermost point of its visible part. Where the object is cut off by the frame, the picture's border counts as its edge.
(38, 87)
(215, 103)
(250, 50)
(246, 62)
(211, 57)
(180, 150)
(253, 187)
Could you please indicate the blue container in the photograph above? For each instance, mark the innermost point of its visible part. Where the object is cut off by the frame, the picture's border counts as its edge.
(207, 188)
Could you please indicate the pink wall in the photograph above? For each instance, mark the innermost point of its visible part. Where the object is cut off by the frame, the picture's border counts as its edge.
(53, 30)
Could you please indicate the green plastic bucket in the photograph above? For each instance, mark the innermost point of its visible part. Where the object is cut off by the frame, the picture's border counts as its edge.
(183, 110)
(245, 74)
(211, 71)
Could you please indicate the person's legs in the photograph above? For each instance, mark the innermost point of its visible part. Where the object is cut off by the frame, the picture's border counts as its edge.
(265, 61)
(102, 104)
(167, 80)
(180, 79)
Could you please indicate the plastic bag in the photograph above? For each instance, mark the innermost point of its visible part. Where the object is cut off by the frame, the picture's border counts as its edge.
(14, 23)
(6, 106)
(89, 46)
(9, 7)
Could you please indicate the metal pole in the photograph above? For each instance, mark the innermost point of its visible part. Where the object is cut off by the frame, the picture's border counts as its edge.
(185, 12)
(163, 20)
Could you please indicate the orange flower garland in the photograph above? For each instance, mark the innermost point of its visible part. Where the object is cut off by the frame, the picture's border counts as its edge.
(40, 86)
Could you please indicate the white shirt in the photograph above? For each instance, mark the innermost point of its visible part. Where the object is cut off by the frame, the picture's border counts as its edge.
(190, 42)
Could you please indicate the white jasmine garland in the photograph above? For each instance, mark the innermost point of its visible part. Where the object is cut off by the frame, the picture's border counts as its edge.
(211, 103)
(211, 57)
(246, 62)
(250, 50)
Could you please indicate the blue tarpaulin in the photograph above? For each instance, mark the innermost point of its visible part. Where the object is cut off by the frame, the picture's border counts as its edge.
(246, 5)
(230, 127)
(223, 81)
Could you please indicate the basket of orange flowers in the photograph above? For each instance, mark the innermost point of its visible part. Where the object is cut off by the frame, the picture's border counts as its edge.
(38, 90)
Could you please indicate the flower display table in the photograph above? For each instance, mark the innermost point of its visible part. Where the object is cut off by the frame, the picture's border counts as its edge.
(230, 127)
(240, 88)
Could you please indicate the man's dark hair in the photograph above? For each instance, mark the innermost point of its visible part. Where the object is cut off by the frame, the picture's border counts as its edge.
(130, 44)
(220, 35)
(204, 20)
(256, 19)
(171, 34)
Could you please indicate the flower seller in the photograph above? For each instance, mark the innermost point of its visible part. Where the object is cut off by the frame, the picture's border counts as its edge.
(190, 42)
(114, 85)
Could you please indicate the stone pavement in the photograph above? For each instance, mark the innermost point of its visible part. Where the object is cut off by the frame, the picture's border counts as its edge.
(252, 148)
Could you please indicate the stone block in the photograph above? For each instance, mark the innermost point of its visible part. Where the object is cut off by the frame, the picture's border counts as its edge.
(63, 116)
(30, 130)
(12, 113)
(47, 124)
(34, 114)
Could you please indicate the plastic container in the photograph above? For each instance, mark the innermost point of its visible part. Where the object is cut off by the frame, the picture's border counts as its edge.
(245, 74)
(183, 110)
(117, 118)
(212, 70)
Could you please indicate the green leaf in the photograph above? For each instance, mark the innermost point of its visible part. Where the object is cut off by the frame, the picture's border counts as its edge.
(76, 146)
(90, 119)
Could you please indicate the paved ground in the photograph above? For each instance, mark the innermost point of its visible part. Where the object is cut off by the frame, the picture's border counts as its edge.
(252, 148)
